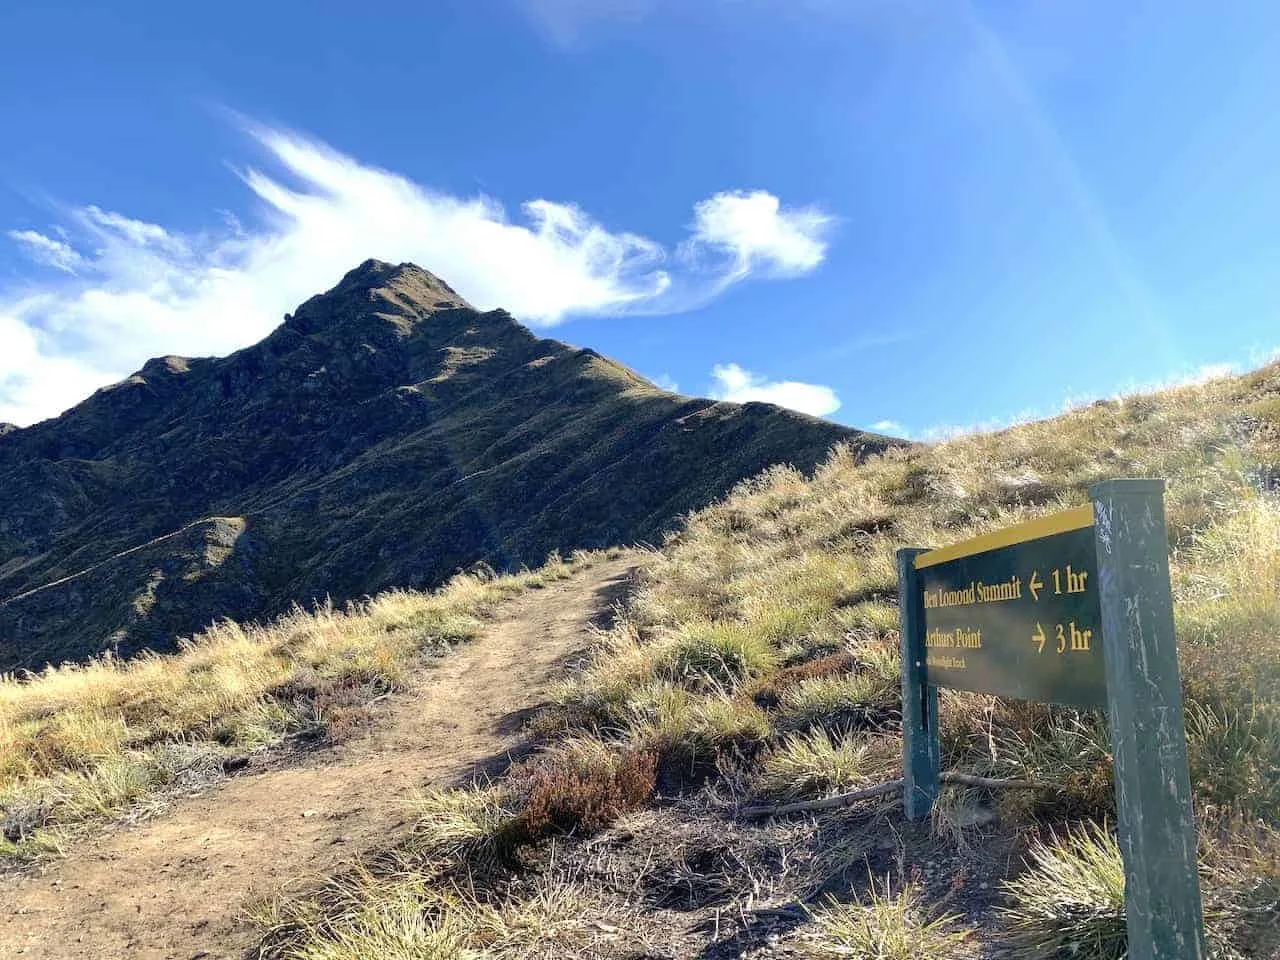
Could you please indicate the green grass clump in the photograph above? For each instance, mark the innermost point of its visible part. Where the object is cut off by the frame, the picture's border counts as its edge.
(883, 927)
(1070, 902)
(461, 824)
(419, 910)
(852, 701)
(689, 734)
(807, 766)
(1233, 755)
(393, 925)
(715, 655)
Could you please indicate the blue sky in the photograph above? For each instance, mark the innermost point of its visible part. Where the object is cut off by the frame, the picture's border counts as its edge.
(917, 213)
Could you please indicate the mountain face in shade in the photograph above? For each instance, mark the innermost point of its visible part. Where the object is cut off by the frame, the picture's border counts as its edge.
(384, 435)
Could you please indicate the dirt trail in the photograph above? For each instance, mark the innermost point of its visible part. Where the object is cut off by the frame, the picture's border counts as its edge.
(178, 886)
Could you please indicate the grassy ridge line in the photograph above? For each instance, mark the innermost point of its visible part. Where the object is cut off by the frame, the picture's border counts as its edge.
(760, 656)
(83, 742)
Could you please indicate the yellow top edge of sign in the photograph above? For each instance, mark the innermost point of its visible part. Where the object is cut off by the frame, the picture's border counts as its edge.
(1077, 518)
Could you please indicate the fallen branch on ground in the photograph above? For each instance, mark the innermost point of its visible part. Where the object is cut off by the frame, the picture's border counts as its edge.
(994, 783)
(866, 793)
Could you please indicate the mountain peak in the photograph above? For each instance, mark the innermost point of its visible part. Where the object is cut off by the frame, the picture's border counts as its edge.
(386, 435)
(404, 291)
(405, 278)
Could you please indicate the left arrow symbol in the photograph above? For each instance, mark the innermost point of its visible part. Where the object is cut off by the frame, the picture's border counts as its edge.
(1036, 584)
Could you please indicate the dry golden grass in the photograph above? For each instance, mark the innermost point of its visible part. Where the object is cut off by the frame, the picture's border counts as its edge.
(804, 766)
(884, 926)
(800, 573)
(763, 642)
(80, 742)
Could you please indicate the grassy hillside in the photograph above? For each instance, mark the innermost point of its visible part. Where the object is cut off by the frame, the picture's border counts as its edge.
(759, 662)
(385, 435)
(82, 743)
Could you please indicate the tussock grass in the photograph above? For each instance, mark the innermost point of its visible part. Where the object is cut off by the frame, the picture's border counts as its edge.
(460, 824)
(716, 655)
(804, 568)
(82, 742)
(388, 922)
(853, 701)
(884, 927)
(763, 641)
(807, 766)
(421, 912)
(1070, 902)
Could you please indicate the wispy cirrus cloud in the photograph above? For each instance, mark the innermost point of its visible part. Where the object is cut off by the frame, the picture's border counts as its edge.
(569, 23)
(117, 290)
(564, 21)
(54, 253)
(734, 383)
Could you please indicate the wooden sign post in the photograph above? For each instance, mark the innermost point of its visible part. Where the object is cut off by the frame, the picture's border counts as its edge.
(1072, 608)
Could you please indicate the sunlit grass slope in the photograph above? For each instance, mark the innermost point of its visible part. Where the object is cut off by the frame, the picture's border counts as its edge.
(83, 742)
(762, 649)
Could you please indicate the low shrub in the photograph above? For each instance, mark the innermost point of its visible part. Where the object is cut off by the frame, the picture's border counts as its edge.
(583, 786)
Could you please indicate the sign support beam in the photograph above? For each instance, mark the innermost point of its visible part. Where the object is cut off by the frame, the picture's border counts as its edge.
(1157, 827)
(921, 749)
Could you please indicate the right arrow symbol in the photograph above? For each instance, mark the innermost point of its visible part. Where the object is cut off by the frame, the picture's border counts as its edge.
(1036, 584)
(1038, 637)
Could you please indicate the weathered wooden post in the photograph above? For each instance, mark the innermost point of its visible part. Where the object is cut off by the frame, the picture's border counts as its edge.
(921, 752)
(1157, 827)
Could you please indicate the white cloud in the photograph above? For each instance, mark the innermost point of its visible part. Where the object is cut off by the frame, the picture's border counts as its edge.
(665, 381)
(131, 290)
(889, 426)
(741, 386)
(31, 382)
(46, 250)
(755, 233)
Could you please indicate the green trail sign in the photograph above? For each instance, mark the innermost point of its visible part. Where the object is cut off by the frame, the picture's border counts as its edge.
(1015, 613)
(1073, 608)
